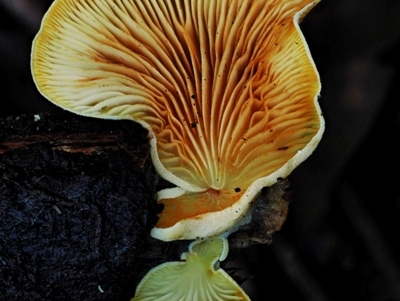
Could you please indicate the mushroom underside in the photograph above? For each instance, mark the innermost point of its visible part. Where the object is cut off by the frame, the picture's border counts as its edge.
(227, 89)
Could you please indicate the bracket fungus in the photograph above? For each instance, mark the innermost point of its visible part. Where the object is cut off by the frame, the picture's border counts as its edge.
(197, 277)
(227, 90)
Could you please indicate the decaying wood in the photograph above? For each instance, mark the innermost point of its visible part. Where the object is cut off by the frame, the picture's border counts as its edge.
(77, 202)
(269, 214)
(76, 206)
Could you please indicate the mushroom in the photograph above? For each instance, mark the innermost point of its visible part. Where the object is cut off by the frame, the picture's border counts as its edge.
(227, 90)
(197, 277)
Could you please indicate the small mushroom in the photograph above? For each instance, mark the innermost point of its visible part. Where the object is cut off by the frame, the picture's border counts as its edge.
(227, 90)
(197, 277)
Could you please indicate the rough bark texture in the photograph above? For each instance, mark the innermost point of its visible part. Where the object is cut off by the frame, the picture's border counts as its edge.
(77, 202)
(269, 215)
(74, 208)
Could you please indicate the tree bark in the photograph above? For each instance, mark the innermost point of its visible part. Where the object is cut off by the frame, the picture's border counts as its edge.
(77, 202)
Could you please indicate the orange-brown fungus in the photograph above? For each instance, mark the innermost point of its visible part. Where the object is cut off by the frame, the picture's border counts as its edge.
(195, 204)
(226, 88)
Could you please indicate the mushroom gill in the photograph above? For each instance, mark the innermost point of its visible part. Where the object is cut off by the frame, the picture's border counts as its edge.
(227, 89)
(196, 277)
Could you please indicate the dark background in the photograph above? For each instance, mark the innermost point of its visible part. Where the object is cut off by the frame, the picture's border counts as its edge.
(340, 239)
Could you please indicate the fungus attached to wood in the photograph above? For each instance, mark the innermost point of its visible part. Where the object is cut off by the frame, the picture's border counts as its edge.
(227, 90)
(196, 277)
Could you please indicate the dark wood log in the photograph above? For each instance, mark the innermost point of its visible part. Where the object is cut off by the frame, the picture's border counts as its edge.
(75, 206)
(77, 202)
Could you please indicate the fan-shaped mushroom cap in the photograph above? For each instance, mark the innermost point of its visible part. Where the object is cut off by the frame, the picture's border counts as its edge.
(226, 88)
(198, 277)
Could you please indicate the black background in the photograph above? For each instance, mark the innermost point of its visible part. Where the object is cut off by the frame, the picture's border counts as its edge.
(340, 240)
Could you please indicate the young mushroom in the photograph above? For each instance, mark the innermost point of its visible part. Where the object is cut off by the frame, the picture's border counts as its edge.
(196, 277)
(227, 90)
